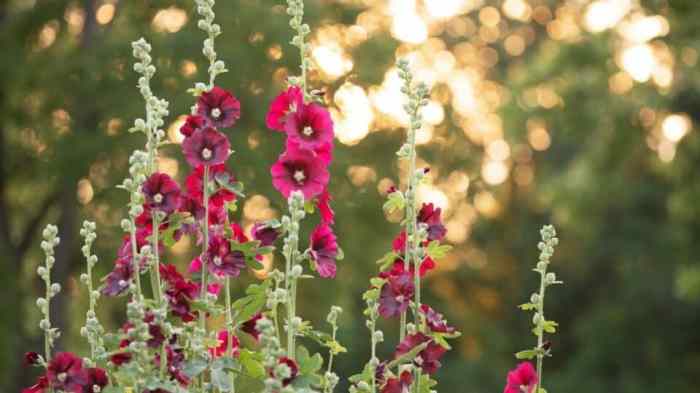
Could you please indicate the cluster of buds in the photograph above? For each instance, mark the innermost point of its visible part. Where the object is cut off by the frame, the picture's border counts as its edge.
(93, 330)
(51, 240)
(205, 8)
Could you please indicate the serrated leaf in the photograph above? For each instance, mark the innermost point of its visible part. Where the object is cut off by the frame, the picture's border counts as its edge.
(252, 364)
(221, 380)
(387, 260)
(436, 250)
(308, 364)
(394, 202)
(194, 367)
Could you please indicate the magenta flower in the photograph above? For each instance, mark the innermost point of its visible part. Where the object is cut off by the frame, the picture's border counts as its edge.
(402, 384)
(96, 380)
(396, 294)
(41, 386)
(206, 147)
(222, 348)
(265, 234)
(522, 380)
(323, 203)
(429, 358)
(296, 170)
(430, 215)
(162, 193)
(219, 107)
(324, 250)
(192, 123)
(221, 261)
(284, 105)
(65, 372)
(435, 321)
(310, 127)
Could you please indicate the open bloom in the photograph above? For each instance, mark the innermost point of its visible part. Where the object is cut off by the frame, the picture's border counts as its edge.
(65, 372)
(222, 348)
(284, 105)
(310, 127)
(429, 358)
(221, 260)
(396, 294)
(192, 123)
(324, 250)
(522, 380)
(162, 193)
(402, 384)
(219, 107)
(297, 170)
(293, 368)
(206, 147)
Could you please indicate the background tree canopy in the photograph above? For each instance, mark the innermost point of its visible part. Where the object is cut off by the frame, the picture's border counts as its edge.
(576, 112)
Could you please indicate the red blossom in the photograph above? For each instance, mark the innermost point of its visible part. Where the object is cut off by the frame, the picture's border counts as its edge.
(522, 380)
(250, 326)
(206, 147)
(396, 294)
(195, 190)
(162, 193)
(96, 380)
(41, 386)
(222, 348)
(219, 107)
(179, 292)
(285, 104)
(323, 203)
(402, 384)
(429, 358)
(221, 260)
(324, 250)
(265, 234)
(192, 123)
(31, 358)
(120, 358)
(296, 170)
(65, 372)
(293, 368)
(430, 215)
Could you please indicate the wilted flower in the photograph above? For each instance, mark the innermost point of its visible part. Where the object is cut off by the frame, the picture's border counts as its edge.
(284, 105)
(324, 250)
(435, 321)
(206, 147)
(162, 193)
(296, 170)
(219, 107)
(310, 127)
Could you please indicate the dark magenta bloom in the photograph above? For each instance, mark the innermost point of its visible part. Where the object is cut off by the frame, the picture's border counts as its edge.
(194, 186)
(284, 105)
(297, 170)
(117, 281)
(250, 326)
(206, 147)
(222, 348)
(31, 358)
(402, 384)
(396, 294)
(324, 250)
(429, 358)
(65, 372)
(96, 380)
(522, 380)
(266, 235)
(310, 127)
(430, 215)
(120, 358)
(162, 193)
(219, 107)
(435, 321)
(179, 292)
(192, 123)
(293, 367)
(221, 261)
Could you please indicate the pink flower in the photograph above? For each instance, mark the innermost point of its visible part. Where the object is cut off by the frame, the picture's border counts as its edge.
(296, 170)
(435, 321)
(192, 123)
(206, 147)
(310, 127)
(429, 358)
(221, 260)
(284, 105)
(324, 250)
(323, 203)
(522, 380)
(162, 193)
(65, 372)
(402, 384)
(219, 107)
(396, 294)
(222, 348)
(430, 215)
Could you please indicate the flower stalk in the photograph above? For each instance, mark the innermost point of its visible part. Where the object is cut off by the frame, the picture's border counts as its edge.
(295, 9)
(51, 240)
(93, 330)
(293, 270)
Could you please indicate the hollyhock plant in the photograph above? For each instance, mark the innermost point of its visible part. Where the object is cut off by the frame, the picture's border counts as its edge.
(293, 368)
(219, 107)
(65, 372)
(310, 127)
(296, 170)
(206, 147)
(192, 123)
(523, 379)
(324, 250)
(402, 384)
(396, 294)
(221, 260)
(179, 292)
(162, 193)
(429, 358)
(283, 106)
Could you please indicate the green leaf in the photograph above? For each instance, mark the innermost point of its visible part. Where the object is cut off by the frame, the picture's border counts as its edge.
(194, 367)
(225, 181)
(387, 260)
(527, 306)
(255, 299)
(436, 250)
(221, 380)
(550, 326)
(408, 356)
(526, 354)
(308, 364)
(394, 202)
(252, 364)
(309, 207)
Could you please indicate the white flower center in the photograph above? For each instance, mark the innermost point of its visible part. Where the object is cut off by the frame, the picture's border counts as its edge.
(525, 388)
(206, 153)
(158, 198)
(400, 298)
(215, 113)
(217, 260)
(96, 388)
(308, 131)
(299, 176)
(62, 377)
(122, 283)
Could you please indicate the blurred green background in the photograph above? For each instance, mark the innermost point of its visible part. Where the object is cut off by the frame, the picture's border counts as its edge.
(579, 113)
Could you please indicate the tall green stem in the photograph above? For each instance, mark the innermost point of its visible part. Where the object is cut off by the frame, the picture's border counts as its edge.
(205, 246)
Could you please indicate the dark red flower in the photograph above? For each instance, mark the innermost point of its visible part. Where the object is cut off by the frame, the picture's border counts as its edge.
(265, 234)
(396, 294)
(192, 123)
(310, 127)
(297, 170)
(429, 358)
(179, 292)
(206, 147)
(284, 105)
(65, 372)
(96, 380)
(222, 348)
(402, 384)
(430, 215)
(435, 321)
(219, 107)
(221, 260)
(41, 386)
(31, 358)
(293, 367)
(399, 247)
(117, 281)
(324, 250)
(323, 203)
(120, 358)
(195, 182)
(522, 380)
(162, 193)
(250, 326)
